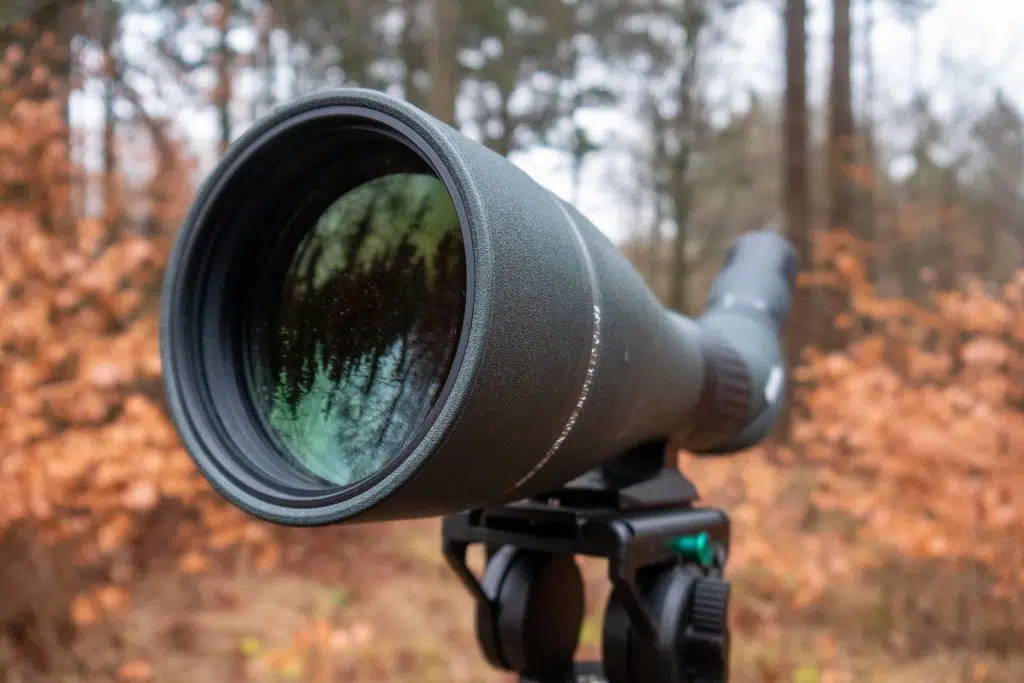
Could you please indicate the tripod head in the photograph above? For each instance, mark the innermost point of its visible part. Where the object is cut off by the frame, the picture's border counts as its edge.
(665, 621)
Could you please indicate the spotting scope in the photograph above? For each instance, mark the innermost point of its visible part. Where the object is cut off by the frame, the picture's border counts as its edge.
(369, 316)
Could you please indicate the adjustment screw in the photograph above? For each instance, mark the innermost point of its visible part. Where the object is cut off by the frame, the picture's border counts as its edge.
(696, 548)
(705, 641)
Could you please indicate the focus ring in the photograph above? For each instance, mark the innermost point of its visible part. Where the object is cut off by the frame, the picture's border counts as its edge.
(725, 398)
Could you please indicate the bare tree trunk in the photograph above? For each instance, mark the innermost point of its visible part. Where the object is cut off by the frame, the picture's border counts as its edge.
(654, 258)
(796, 195)
(796, 186)
(358, 43)
(679, 290)
(841, 125)
(577, 159)
(685, 122)
(504, 142)
(947, 260)
(840, 162)
(264, 101)
(411, 51)
(222, 65)
(913, 256)
(109, 29)
(659, 160)
(869, 198)
(444, 76)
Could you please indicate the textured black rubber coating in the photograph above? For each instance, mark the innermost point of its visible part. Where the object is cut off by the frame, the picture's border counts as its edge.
(566, 358)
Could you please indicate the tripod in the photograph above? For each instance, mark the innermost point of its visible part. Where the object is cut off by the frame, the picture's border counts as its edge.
(665, 621)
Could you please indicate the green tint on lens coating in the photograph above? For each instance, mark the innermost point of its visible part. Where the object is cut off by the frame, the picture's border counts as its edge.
(364, 328)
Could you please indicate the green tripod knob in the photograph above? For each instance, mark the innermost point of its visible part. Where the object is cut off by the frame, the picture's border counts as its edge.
(696, 548)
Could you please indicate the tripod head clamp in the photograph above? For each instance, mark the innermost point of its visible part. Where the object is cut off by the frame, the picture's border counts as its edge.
(666, 618)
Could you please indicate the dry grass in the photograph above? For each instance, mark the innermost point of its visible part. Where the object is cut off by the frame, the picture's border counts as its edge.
(382, 606)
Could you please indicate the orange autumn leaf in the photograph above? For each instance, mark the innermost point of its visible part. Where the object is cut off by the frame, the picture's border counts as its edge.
(137, 671)
(84, 610)
(193, 563)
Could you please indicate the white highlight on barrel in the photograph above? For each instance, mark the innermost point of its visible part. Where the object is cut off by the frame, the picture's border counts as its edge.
(591, 364)
(578, 408)
(773, 386)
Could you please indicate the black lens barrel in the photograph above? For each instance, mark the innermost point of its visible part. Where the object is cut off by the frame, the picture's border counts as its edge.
(564, 357)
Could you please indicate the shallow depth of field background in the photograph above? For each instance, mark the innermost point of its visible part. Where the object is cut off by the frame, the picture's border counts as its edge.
(879, 535)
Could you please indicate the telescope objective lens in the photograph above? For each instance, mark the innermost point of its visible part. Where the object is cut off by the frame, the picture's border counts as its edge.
(357, 320)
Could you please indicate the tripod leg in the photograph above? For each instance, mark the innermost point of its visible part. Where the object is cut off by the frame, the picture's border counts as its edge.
(582, 672)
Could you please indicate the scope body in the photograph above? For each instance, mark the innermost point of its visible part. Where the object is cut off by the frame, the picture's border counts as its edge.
(537, 350)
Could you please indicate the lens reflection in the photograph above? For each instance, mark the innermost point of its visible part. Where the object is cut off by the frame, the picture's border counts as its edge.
(364, 327)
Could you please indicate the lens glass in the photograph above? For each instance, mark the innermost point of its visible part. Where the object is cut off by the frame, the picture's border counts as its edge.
(361, 323)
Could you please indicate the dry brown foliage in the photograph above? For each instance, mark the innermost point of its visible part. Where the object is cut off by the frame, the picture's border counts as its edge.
(918, 424)
(897, 510)
(87, 453)
(912, 434)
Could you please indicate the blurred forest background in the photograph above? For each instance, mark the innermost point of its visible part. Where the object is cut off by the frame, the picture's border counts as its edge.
(879, 536)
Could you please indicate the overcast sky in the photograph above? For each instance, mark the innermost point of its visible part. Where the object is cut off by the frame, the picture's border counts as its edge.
(980, 37)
